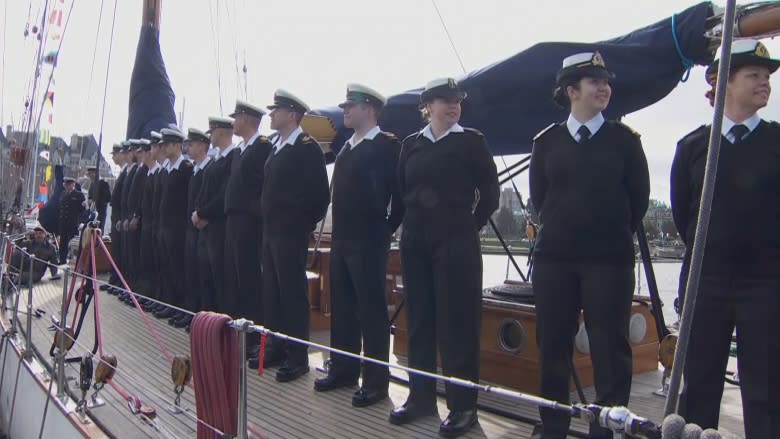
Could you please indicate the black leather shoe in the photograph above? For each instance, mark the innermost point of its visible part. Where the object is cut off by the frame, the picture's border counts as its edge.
(272, 359)
(288, 373)
(112, 290)
(458, 422)
(333, 382)
(105, 287)
(177, 315)
(159, 308)
(254, 362)
(411, 411)
(165, 313)
(183, 322)
(364, 397)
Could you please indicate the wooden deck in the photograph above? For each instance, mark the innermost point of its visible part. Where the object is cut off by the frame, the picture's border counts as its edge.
(291, 410)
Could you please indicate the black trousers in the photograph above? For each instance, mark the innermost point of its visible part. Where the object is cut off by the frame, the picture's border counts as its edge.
(172, 265)
(191, 270)
(203, 275)
(285, 292)
(443, 288)
(148, 278)
(116, 252)
(604, 292)
(243, 239)
(66, 235)
(752, 305)
(132, 248)
(101, 218)
(214, 298)
(357, 285)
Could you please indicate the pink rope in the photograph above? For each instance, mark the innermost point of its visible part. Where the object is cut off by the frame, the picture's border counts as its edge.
(146, 320)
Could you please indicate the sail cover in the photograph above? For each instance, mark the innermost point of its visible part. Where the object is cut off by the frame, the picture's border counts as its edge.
(151, 95)
(510, 101)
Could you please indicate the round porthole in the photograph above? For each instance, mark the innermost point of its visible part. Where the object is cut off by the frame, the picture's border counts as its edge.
(511, 336)
(581, 340)
(637, 328)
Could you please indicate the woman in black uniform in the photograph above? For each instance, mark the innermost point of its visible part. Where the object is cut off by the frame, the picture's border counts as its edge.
(740, 284)
(590, 184)
(449, 185)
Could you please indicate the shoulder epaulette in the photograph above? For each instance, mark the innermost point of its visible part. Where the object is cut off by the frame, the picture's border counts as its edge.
(696, 134)
(774, 124)
(414, 135)
(473, 131)
(628, 128)
(187, 163)
(544, 131)
(389, 135)
(306, 138)
(262, 138)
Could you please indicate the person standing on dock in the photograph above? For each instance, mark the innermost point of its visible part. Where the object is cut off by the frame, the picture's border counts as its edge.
(173, 223)
(367, 210)
(590, 184)
(449, 186)
(209, 215)
(295, 198)
(740, 284)
(198, 143)
(243, 230)
(71, 210)
(99, 195)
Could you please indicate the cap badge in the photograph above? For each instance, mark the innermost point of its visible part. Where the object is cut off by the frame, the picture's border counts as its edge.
(761, 51)
(597, 60)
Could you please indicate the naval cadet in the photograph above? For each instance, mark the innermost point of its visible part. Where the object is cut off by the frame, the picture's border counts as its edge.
(209, 215)
(243, 230)
(158, 185)
(147, 282)
(127, 246)
(198, 146)
(740, 284)
(116, 212)
(295, 198)
(133, 215)
(590, 184)
(367, 209)
(99, 195)
(173, 224)
(449, 185)
(71, 211)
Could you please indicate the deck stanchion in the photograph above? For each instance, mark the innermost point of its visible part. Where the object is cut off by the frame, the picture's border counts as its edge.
(62, 395)
(242, 327)
(705, 206)
(28, 352)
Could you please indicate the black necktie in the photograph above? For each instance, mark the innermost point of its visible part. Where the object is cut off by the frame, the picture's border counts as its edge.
(739, 132)
(584, 133)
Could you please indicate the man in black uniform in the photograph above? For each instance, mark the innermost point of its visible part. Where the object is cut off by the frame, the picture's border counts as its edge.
(38, 245)
(173, 222)
(198, 146)
(740, 284)
(365, 184)
(99, 195)
(133, 214)
(295, 198)
(209, 215)
(71, 210)
(146, 217)
(590, 184)
(243, 233)
(116, 212)
(127, 265)
(158, 183)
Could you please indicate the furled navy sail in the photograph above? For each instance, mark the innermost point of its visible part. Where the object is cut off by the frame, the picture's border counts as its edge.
(510, 101)
(151, 95)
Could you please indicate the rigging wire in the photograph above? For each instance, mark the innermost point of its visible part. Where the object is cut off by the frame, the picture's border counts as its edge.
(233, 23)
(449, 37)
(105, 93)
(92, 65)
(2, 81)
(215, 39)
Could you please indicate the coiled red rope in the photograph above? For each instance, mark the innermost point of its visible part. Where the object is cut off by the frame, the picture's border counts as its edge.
(214, 350)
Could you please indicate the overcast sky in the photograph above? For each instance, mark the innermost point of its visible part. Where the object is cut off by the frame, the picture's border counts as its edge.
(313, 48)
